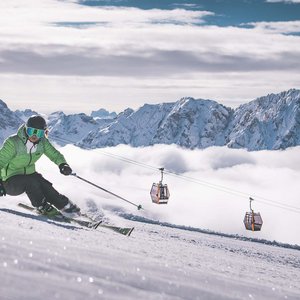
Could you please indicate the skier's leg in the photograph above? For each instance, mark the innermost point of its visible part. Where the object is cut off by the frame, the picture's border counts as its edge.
(50, 193)
(15, 185)
(19, 184)
(60, 201)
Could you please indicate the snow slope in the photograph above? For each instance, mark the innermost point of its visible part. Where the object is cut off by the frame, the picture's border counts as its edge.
(42, 259)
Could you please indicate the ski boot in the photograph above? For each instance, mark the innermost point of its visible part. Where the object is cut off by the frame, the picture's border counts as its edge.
(70, 210)
(47, 210)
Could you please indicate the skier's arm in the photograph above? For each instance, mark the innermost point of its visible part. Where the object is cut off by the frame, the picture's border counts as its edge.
(7, 152)
(57, 158)
(53, 154)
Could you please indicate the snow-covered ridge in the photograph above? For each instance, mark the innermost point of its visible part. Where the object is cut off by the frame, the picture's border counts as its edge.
(269, 122)
(140, 219)
(103, 114)
(9, 121)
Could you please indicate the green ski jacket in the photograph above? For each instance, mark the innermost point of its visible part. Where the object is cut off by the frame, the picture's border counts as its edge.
(16, 159)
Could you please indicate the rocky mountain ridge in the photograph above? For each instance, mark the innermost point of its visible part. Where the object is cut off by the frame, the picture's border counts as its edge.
(269, 122)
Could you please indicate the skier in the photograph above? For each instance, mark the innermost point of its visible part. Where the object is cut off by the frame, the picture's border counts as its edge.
(18, 175)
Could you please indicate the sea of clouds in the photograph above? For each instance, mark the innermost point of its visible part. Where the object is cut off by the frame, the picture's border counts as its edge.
(210, 191)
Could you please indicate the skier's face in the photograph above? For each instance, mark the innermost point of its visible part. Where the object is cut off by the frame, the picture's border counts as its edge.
(34, 134)
(33, 139)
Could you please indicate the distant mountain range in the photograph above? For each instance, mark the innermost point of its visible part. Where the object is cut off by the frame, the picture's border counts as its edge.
(268, 122)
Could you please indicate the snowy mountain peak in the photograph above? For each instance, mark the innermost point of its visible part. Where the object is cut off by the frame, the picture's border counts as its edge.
(3, 105)
(103, 114)
(126, 113)
(71, 128)
(25, 114)
(268, 122)
(9, 121)
(277, 99)
(184, 100)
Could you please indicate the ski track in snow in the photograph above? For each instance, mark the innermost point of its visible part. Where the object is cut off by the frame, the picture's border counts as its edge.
(42, 259)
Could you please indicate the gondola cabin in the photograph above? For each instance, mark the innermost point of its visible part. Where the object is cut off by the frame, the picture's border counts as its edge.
(159, 192)
(253, 221)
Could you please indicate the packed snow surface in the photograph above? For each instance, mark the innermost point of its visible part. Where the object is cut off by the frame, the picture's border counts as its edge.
(42, 259)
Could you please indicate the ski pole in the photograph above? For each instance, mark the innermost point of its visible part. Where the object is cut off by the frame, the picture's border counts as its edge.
(105, 190)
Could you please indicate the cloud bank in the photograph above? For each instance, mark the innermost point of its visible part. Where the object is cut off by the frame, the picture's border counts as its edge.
(211, 190)
(99, 54)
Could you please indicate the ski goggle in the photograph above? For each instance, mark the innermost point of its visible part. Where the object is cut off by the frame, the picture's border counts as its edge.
(39, 133)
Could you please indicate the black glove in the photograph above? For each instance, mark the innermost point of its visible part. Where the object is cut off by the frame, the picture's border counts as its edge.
(2, 189)
(65, 169)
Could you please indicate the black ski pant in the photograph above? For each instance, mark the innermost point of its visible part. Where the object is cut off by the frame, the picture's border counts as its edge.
(38, 189)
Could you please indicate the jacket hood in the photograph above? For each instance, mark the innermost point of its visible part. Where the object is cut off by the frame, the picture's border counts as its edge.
(21, 134)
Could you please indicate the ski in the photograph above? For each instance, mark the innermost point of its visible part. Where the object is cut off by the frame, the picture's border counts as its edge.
(123, 230)
(89, 224)
(61, 218)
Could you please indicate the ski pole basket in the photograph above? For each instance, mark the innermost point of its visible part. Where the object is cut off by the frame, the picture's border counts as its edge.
(159, 192)
(252, 220)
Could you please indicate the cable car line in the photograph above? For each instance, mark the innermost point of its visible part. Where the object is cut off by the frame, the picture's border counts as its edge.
(235, 192)
(201, 182)
(187, 178)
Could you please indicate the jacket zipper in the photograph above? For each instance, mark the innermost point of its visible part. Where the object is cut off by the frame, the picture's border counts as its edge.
(6, 171)
(29, 159)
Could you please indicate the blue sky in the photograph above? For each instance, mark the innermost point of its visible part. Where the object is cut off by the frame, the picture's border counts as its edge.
(226, 12)
(82, 55)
